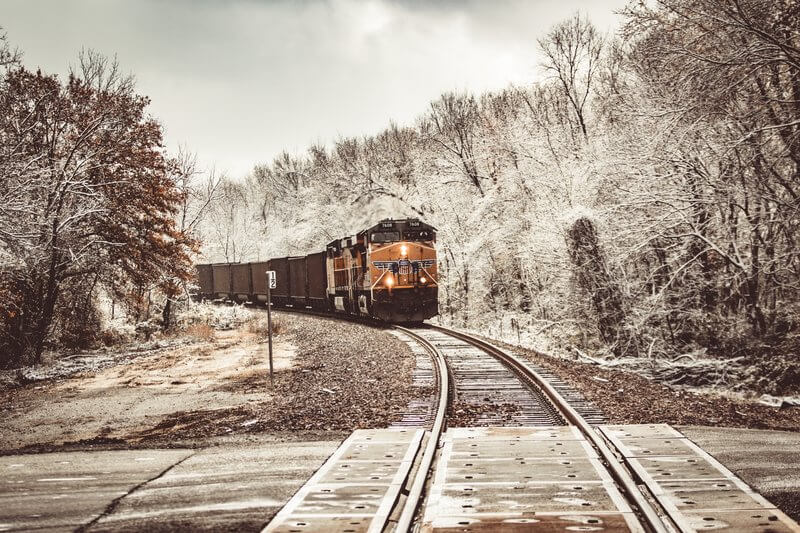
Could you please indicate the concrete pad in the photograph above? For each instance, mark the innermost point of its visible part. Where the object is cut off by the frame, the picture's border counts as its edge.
(62, 491)
(647, 431)
(644, 447)
(738, 522)
(368, 451)
(356, 489)
(520, 449)
(362, 472)
(684, 468)
(345, 524)
(380, 435)
(523, 471)
(695, 489)
(523, 479)
(343, 499)
(556, 433)
(546, 522)
(691, 497)
(509, 499)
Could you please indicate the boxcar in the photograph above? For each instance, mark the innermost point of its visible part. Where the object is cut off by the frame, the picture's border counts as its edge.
(298, 288)
(317, 281)
(222, 280)
(241, 282)
(258, 277)
(205, 281)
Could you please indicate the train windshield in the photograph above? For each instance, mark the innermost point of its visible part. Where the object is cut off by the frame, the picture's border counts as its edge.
(385, 236)
(418, 235)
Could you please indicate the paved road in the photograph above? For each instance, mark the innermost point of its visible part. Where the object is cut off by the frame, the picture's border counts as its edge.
(769, 461)
(240, 485)
(235, 487)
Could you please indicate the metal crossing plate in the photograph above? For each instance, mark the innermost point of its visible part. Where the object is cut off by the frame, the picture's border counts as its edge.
(356, 489)
(557, 433)
(697, 491)
(522, 479)
(546, 522)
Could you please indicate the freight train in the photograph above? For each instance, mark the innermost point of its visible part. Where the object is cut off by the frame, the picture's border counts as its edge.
(388, 272)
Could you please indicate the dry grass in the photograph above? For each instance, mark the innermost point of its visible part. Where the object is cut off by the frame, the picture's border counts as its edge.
(201, 332)
(260, 327)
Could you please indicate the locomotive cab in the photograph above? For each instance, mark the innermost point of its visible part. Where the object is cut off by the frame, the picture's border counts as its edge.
(403, 278)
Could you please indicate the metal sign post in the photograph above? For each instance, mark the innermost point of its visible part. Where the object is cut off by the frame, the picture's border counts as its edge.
(271, 284)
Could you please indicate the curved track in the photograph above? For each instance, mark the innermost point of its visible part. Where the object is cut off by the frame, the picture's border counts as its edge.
(479, 368)
(471, 478)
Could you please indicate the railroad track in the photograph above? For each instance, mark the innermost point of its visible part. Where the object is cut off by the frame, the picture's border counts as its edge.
(526, 453)
(486, 375)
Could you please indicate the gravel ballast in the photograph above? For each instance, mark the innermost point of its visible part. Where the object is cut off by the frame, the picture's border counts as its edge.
(627, 398)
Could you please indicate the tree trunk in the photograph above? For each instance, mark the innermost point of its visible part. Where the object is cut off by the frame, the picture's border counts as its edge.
(166, 315)
(39, 333)
(592, 276)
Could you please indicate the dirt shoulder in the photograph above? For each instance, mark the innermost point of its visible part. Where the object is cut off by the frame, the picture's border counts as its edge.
(627, 398)
(330, 375)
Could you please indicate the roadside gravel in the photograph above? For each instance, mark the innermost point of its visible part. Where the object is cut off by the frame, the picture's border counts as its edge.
(345, 376)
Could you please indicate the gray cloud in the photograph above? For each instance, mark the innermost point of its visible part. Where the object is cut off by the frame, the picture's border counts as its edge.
(239, 81)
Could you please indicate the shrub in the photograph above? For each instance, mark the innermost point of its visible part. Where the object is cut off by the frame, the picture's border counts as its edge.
(259, 326)
(200, 332)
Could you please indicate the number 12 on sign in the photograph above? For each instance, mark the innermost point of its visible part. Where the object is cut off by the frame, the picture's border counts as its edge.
(271, 284)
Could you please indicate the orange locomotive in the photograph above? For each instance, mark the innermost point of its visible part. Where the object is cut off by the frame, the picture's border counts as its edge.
(387, 271)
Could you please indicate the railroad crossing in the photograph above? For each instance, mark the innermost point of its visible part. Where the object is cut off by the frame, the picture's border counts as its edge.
(551, 471)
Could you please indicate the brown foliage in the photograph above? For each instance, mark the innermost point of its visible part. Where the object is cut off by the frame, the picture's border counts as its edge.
(87, 195)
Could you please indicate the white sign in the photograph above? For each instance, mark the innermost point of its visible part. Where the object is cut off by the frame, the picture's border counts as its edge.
(271, 278)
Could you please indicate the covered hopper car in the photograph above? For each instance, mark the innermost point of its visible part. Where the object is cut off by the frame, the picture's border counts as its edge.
(388, 272)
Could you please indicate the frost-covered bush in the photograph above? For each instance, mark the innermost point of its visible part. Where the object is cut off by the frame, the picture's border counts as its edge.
(117, 332)
(217, 316)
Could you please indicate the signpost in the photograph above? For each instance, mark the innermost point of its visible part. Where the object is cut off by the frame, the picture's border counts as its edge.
(271, 284)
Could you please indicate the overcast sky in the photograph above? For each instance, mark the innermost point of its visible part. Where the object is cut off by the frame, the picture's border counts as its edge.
(238, 81)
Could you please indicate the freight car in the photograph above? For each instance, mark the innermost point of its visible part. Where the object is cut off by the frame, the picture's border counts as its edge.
(387, 271)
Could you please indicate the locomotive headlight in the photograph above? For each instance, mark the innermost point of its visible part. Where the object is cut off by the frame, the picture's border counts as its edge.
(403, 250)
(423, 279)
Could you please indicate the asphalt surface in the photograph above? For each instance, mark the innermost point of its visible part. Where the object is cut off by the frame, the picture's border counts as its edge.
(768, 461)
(231, 487)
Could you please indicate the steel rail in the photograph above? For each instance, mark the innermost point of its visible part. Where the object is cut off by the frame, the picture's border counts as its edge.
(618, 472)
(418, 485)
